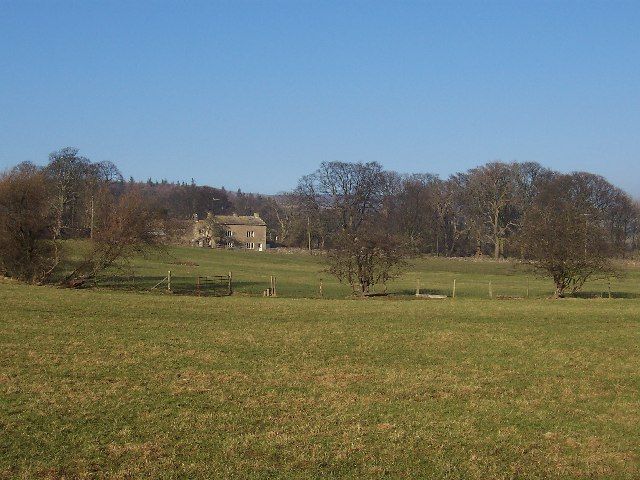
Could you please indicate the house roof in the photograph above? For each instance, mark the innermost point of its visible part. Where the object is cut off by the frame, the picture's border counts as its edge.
(240, 220)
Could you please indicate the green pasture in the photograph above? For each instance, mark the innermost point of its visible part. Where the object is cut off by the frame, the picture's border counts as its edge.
(108, 384)
(123, 382)
(300, 274)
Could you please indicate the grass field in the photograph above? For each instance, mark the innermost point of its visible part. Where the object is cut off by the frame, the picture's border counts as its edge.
(123, 384)
(299, 275)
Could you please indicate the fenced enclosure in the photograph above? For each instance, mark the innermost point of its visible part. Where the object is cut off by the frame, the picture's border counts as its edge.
(198, 285)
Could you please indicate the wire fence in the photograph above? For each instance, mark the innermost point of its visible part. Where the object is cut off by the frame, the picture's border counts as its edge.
(438, 285)
(509, 288)
(196, 285)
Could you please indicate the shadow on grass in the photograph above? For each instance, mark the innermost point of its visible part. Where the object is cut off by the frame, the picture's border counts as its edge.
(605, 294)
(179, 285)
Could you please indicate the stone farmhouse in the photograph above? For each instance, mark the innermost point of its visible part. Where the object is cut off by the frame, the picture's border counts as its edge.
(232, 231)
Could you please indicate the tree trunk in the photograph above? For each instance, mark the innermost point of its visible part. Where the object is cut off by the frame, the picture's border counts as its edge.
(496, 236)
(92, 217)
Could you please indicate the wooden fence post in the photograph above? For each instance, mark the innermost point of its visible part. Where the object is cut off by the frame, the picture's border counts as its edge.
(490, 290)
(321, 294)
(230, 285)
(272, 290)
(610, 287)
(453, 295)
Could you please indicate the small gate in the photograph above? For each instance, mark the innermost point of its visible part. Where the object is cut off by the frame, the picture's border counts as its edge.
(214, 285)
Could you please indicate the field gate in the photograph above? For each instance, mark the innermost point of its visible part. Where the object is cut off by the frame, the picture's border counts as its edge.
(214, 285)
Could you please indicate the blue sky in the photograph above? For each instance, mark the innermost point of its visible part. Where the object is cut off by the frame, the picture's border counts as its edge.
(256, 94)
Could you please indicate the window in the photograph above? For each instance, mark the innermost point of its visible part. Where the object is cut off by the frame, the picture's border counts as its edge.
(229, 233)
(249, 245)
(251, 234)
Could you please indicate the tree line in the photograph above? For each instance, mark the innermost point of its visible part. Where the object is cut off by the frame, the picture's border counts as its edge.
(44, 208)
(73, 198)
(568, 226)
(479, 212)
(369, 220)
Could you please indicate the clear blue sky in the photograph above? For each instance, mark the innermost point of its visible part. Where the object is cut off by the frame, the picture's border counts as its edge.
(256, 94)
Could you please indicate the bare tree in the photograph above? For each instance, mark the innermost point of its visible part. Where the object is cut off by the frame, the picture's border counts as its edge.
(359, 197)
(125, 226)
(215, 229)
(492, 196)
(367, 259)
(563, 235)
(418, 213)
(352, 190)
(28, 250)
(68, 172)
